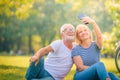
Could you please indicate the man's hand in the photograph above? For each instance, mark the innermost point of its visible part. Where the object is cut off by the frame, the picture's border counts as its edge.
(34, 59)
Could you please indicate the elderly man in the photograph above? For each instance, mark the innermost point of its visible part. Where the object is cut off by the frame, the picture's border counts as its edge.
(58, 62)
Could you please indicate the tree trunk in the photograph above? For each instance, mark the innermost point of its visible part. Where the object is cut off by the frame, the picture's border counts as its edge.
(30, 44)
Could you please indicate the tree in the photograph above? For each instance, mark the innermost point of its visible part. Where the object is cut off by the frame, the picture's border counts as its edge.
(113, 37)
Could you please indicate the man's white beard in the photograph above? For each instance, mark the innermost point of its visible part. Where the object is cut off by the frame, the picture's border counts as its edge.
(69, 38)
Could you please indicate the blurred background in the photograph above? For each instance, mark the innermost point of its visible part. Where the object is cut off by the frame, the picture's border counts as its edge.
(28, 25)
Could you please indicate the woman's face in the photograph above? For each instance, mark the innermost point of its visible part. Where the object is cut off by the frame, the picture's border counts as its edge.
(83, 33)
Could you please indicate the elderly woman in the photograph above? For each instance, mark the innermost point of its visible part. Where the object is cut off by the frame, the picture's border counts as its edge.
(86, 55)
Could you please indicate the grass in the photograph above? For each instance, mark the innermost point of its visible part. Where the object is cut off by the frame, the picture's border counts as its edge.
(14, 67)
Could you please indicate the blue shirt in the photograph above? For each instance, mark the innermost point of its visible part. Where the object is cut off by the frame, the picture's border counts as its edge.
(89, 55)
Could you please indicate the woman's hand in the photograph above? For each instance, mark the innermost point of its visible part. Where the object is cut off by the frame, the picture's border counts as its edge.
(88, 20)
(34, 59)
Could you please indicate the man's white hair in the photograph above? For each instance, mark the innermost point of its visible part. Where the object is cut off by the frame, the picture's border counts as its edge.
(64, 25)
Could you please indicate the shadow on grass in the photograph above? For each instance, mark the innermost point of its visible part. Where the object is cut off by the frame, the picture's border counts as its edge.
(12, 72)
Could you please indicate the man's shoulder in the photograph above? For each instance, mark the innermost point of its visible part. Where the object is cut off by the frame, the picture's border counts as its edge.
(57, 41)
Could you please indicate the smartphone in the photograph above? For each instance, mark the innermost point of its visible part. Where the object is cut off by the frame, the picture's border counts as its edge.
(81, 16)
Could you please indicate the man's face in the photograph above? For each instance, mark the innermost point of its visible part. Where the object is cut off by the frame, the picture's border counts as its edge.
(69, 33)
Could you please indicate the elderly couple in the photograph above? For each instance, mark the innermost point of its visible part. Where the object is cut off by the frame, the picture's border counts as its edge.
(84, 53)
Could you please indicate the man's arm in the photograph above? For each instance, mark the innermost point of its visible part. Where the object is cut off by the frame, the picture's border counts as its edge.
(41, 52)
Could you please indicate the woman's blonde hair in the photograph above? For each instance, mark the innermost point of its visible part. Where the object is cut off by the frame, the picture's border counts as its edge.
(77, 40)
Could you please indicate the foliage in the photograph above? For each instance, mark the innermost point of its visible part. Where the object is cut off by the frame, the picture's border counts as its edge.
(112, 38)
(21, 20)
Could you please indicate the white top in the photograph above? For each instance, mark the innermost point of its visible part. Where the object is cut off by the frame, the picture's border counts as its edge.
(59, 62)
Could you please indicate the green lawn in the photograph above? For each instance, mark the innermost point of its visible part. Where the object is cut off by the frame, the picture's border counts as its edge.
(14, 67)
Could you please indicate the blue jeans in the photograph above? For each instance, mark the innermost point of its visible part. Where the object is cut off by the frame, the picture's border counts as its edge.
(38, 72)
(113, 77)
(94, 72)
